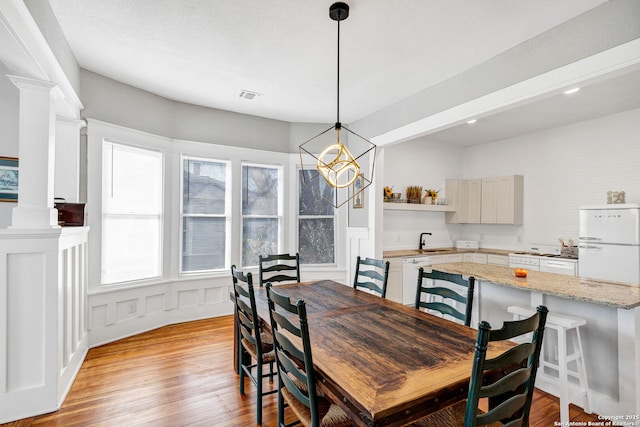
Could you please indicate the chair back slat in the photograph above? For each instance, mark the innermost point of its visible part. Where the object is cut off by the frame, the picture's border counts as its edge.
(445, 306)
(271, 266)
(373, 277)
(505, 411)
(510, 382)
(513, 356)
(509, 396)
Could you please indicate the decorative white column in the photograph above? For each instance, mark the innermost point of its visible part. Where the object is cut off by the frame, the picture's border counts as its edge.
(67, 156)
(36, 153)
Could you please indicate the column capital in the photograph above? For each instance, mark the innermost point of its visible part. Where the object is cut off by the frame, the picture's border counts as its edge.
(35, 84)
(66, 121)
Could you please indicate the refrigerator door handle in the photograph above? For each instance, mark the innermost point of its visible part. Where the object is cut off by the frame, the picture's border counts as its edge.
(590, 238)
(589, 247)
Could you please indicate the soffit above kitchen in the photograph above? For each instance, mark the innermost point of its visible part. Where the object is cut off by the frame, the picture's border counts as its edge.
(206, 52)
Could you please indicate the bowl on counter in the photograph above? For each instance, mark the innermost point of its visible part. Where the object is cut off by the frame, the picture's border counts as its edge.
(520, 272)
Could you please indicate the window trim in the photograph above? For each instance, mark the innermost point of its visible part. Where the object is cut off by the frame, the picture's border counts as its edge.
(280, 213)
(227, 215)
(298, 217)
(161, 215)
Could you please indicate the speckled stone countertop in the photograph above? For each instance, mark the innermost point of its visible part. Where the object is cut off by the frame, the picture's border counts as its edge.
(442, 251)
(619, 295)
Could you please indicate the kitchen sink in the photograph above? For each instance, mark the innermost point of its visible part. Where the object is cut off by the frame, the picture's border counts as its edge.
(431, 251)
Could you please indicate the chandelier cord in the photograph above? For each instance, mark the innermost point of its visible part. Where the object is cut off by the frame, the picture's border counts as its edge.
(338, 78)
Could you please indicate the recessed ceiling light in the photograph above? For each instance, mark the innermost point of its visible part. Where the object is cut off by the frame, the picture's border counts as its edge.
(472, 121)
(570, 91)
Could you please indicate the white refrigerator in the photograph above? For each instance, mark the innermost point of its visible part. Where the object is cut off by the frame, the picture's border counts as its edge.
(610, 243)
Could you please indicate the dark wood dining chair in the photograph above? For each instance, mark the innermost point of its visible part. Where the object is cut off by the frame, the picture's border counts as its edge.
(271, 268)
(372, 274)
(255, 347)
(447, 294)
(507, 380)
(296, 377)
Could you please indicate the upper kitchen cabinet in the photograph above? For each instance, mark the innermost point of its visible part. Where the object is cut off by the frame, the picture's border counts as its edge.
(502, 200)
(466, 195)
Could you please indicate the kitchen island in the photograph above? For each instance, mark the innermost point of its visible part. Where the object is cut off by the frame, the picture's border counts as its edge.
(611, 337)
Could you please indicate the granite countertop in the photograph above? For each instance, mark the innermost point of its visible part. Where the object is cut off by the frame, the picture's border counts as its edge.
(619, 295)
(442, 251)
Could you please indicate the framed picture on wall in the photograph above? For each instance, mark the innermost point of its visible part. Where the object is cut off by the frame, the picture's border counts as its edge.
(358, 192)
(8, 179)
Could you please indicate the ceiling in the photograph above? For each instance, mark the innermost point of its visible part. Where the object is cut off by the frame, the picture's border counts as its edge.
(206, 52)
(613, 94)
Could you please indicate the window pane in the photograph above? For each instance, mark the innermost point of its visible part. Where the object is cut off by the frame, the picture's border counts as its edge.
(130, 248)
(203, 243)
(132, 206)
(203, 187)
(312, 189)
(316, 241)
(132, 180)
(259, 190)
(259, 237)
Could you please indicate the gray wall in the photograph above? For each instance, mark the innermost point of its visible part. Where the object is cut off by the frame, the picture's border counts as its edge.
(114, 102)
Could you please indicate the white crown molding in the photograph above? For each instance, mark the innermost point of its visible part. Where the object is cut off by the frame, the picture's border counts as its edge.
(25, 51)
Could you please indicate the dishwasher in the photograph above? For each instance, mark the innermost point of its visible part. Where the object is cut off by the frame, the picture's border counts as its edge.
(410, 267)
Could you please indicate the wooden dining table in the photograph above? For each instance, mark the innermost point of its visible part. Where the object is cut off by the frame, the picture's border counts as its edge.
(384, 363)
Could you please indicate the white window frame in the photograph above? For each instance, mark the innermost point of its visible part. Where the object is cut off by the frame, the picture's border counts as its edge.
(227, 214)
(280, 214)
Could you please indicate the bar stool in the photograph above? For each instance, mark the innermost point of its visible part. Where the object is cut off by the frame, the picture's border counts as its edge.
(562, 324)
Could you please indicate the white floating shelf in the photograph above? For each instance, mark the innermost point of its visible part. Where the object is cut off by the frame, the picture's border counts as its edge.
(417, 207)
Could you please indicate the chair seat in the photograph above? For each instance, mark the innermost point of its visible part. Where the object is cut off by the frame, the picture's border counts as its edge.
(331, 415)
(451, 416)
(268, 355)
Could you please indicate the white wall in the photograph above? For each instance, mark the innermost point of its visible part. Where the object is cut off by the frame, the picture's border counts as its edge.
(428, 164)
(563, 168)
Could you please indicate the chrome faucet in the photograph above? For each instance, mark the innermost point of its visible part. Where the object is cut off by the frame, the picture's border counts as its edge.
(421, 243)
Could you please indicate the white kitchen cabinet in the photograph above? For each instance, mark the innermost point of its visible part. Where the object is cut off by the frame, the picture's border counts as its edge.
(475, 257)
(502, 200)
(465, 195)
(502, 260)
(394, 281)
(452, 258)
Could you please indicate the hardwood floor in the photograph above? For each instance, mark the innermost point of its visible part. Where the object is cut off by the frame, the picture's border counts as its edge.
(182, 375)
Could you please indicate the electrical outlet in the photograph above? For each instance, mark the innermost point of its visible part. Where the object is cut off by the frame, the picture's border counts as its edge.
(132, 307)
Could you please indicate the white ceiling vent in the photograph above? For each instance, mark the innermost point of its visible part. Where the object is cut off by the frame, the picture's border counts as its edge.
(247, 94)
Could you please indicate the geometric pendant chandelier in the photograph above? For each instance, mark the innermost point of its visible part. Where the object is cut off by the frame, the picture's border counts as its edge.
(343, 161)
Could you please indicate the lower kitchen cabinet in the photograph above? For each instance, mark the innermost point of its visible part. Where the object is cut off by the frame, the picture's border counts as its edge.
(394, 281)
(475, 257)
(502, 260)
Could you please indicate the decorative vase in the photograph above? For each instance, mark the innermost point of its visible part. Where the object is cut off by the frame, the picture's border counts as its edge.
(427, 200)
